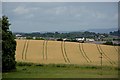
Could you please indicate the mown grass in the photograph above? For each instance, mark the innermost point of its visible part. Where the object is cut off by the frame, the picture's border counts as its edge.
(30, 70)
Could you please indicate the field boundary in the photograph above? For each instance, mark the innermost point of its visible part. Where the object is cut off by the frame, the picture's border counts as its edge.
(66, 65)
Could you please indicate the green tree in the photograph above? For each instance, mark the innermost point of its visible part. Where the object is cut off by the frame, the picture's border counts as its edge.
(8, 46)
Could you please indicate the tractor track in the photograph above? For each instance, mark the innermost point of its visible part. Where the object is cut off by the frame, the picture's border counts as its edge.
(104, 55)
(115, 49)
(44, 51)
(24, 49)
(82, 53)
(27, 44)
(64, 53)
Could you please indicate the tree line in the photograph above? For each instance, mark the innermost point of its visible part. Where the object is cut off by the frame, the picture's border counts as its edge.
(69, 35)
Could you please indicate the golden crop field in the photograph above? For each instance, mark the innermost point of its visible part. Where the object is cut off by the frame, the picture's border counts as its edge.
(59, 52)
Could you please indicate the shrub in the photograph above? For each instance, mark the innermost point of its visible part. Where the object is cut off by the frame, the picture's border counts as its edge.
(24, 64)
(108, 43)
(60, 39)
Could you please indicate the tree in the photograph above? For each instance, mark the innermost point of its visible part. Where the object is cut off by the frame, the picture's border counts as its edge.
(8, 46)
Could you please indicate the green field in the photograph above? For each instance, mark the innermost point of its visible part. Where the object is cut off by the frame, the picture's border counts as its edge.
(27, 70)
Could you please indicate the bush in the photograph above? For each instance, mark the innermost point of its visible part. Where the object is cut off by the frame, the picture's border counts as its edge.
(60, 39)
(108, 43)
(37, 38)
(73, 40)
(24, 64)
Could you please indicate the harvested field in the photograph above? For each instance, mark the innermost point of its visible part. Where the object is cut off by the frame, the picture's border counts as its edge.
(57, 52)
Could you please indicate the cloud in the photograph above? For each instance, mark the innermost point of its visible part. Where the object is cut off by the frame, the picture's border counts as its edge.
(56, 10)
(100, 15)
(21, 10)
(66, 10)
(115, 17)
(73, 11)
(29, 16)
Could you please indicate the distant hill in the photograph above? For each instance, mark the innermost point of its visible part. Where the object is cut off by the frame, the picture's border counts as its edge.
(103, 30)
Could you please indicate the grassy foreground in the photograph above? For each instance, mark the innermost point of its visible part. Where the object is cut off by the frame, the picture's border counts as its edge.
(29, 70)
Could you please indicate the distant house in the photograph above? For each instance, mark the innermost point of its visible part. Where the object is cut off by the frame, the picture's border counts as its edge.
(102, 36)
(116, 42)
(80, 39)
(53, 39)
(34, 37)
(90, 40)
(18, 36)
(64, 39)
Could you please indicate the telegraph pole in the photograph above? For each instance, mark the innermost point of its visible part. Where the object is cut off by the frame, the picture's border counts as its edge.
(101, 63)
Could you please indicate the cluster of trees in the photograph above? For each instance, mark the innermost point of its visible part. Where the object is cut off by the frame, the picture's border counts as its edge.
(115, 33)
(8, 46)
(111, 43)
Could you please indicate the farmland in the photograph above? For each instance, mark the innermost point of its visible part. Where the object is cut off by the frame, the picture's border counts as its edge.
(59, 59)
(60, 52)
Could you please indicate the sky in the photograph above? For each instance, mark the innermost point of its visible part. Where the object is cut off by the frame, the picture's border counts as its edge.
(60, 16)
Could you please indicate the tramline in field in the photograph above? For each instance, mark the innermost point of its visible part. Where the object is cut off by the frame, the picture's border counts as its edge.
(60, 52)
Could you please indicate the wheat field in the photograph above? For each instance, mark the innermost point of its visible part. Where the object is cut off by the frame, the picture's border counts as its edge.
(59, 52)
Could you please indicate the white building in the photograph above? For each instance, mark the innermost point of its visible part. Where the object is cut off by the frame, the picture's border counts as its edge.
(18, 36)
(91, 40)
(34, 37)
(80, 39)
(64, 39)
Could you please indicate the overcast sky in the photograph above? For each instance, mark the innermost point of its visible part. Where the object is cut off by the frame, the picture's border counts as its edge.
(60, 16)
